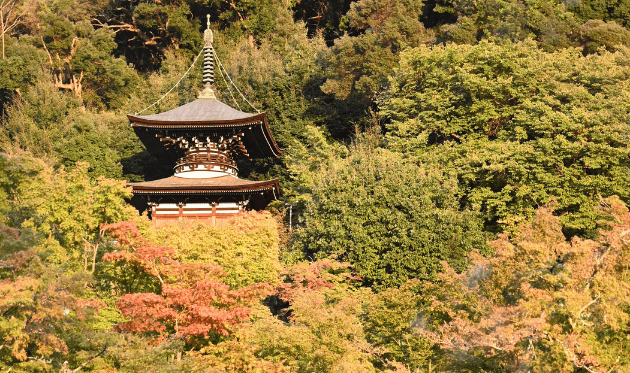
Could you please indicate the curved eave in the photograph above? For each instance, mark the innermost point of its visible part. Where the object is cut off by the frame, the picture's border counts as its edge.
(193, 123)
(248, 188)
(258, 138)
(261, 193)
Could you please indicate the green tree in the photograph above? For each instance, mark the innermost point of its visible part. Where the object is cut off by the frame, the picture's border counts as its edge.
(518, 126)
(357, 65)
(146, 31)
(304, 159)
(274, 76)
(362, 63)
(314, 341)
(280, 76)
(323, 16)
(392, 219)
(44, 313)
(67, 208)
(79, 56)
(51, 125)
(247, 249)
(18, 71)
(390, 320)
(595, 34)
(548, 22)
(609, 10)
(37, 120)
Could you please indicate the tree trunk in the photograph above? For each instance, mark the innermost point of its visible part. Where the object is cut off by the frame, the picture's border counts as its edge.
(3, 30)
(85, 255)
(94, 257)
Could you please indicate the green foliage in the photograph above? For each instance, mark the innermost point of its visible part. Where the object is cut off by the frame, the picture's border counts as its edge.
(324, 341)
(50, 124)
(518, 126)
(611, 10)
(277, 76)
(357, 65)
(362, 63)
(548, 22)
(81, 57)
(305, 157)
(36, 120)
(92, 142)
(328, 341)
(333, 325)
(596, 34)
(21, 67)
(392, 219)
(390, 320)
(43, 313)
(254, 20)
(172, 21)
(145, 32)
(66, 207)
(480, 133)
(247, 249)
(12, 174)
(274, 76)
(323, 16)
(554, 25)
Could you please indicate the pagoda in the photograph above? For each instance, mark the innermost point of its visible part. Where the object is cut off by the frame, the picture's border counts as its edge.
(202, 140)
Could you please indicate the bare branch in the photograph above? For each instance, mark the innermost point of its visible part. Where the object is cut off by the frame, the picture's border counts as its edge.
(47, 52)
(588, 305)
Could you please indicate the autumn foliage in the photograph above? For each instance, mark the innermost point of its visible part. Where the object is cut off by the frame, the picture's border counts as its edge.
(540, 303)
(447, 183)
(158, 299)
(37, 309)
(192, 302)
(247, 249)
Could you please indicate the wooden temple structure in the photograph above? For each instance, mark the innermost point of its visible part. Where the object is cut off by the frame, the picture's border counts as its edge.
(202, 139)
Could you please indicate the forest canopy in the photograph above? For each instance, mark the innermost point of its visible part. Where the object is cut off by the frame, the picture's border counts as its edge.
(455, 181)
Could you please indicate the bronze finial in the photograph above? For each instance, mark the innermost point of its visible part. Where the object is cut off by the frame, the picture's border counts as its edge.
(208, 63)
(207, 35)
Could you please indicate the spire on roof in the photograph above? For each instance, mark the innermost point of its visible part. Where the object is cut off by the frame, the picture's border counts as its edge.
(207, 35)
(208, 63)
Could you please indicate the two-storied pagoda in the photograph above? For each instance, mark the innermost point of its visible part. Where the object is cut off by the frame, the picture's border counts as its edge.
(202, 139)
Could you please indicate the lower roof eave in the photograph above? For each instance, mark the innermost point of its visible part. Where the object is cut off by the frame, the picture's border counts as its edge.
(179, 191)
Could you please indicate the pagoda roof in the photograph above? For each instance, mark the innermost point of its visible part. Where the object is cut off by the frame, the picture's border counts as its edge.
(206, 114)
(262, 192)
(200, 111)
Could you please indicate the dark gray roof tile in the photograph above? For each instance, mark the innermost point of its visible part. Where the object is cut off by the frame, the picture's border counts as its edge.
(200, 110)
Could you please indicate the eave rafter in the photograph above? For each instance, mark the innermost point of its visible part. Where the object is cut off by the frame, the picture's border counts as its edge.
(232, 144)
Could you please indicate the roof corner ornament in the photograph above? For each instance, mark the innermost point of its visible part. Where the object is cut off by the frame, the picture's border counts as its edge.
(208, 63)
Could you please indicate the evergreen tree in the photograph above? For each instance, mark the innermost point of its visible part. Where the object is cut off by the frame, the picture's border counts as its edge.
(392, 219)
(518, 126)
